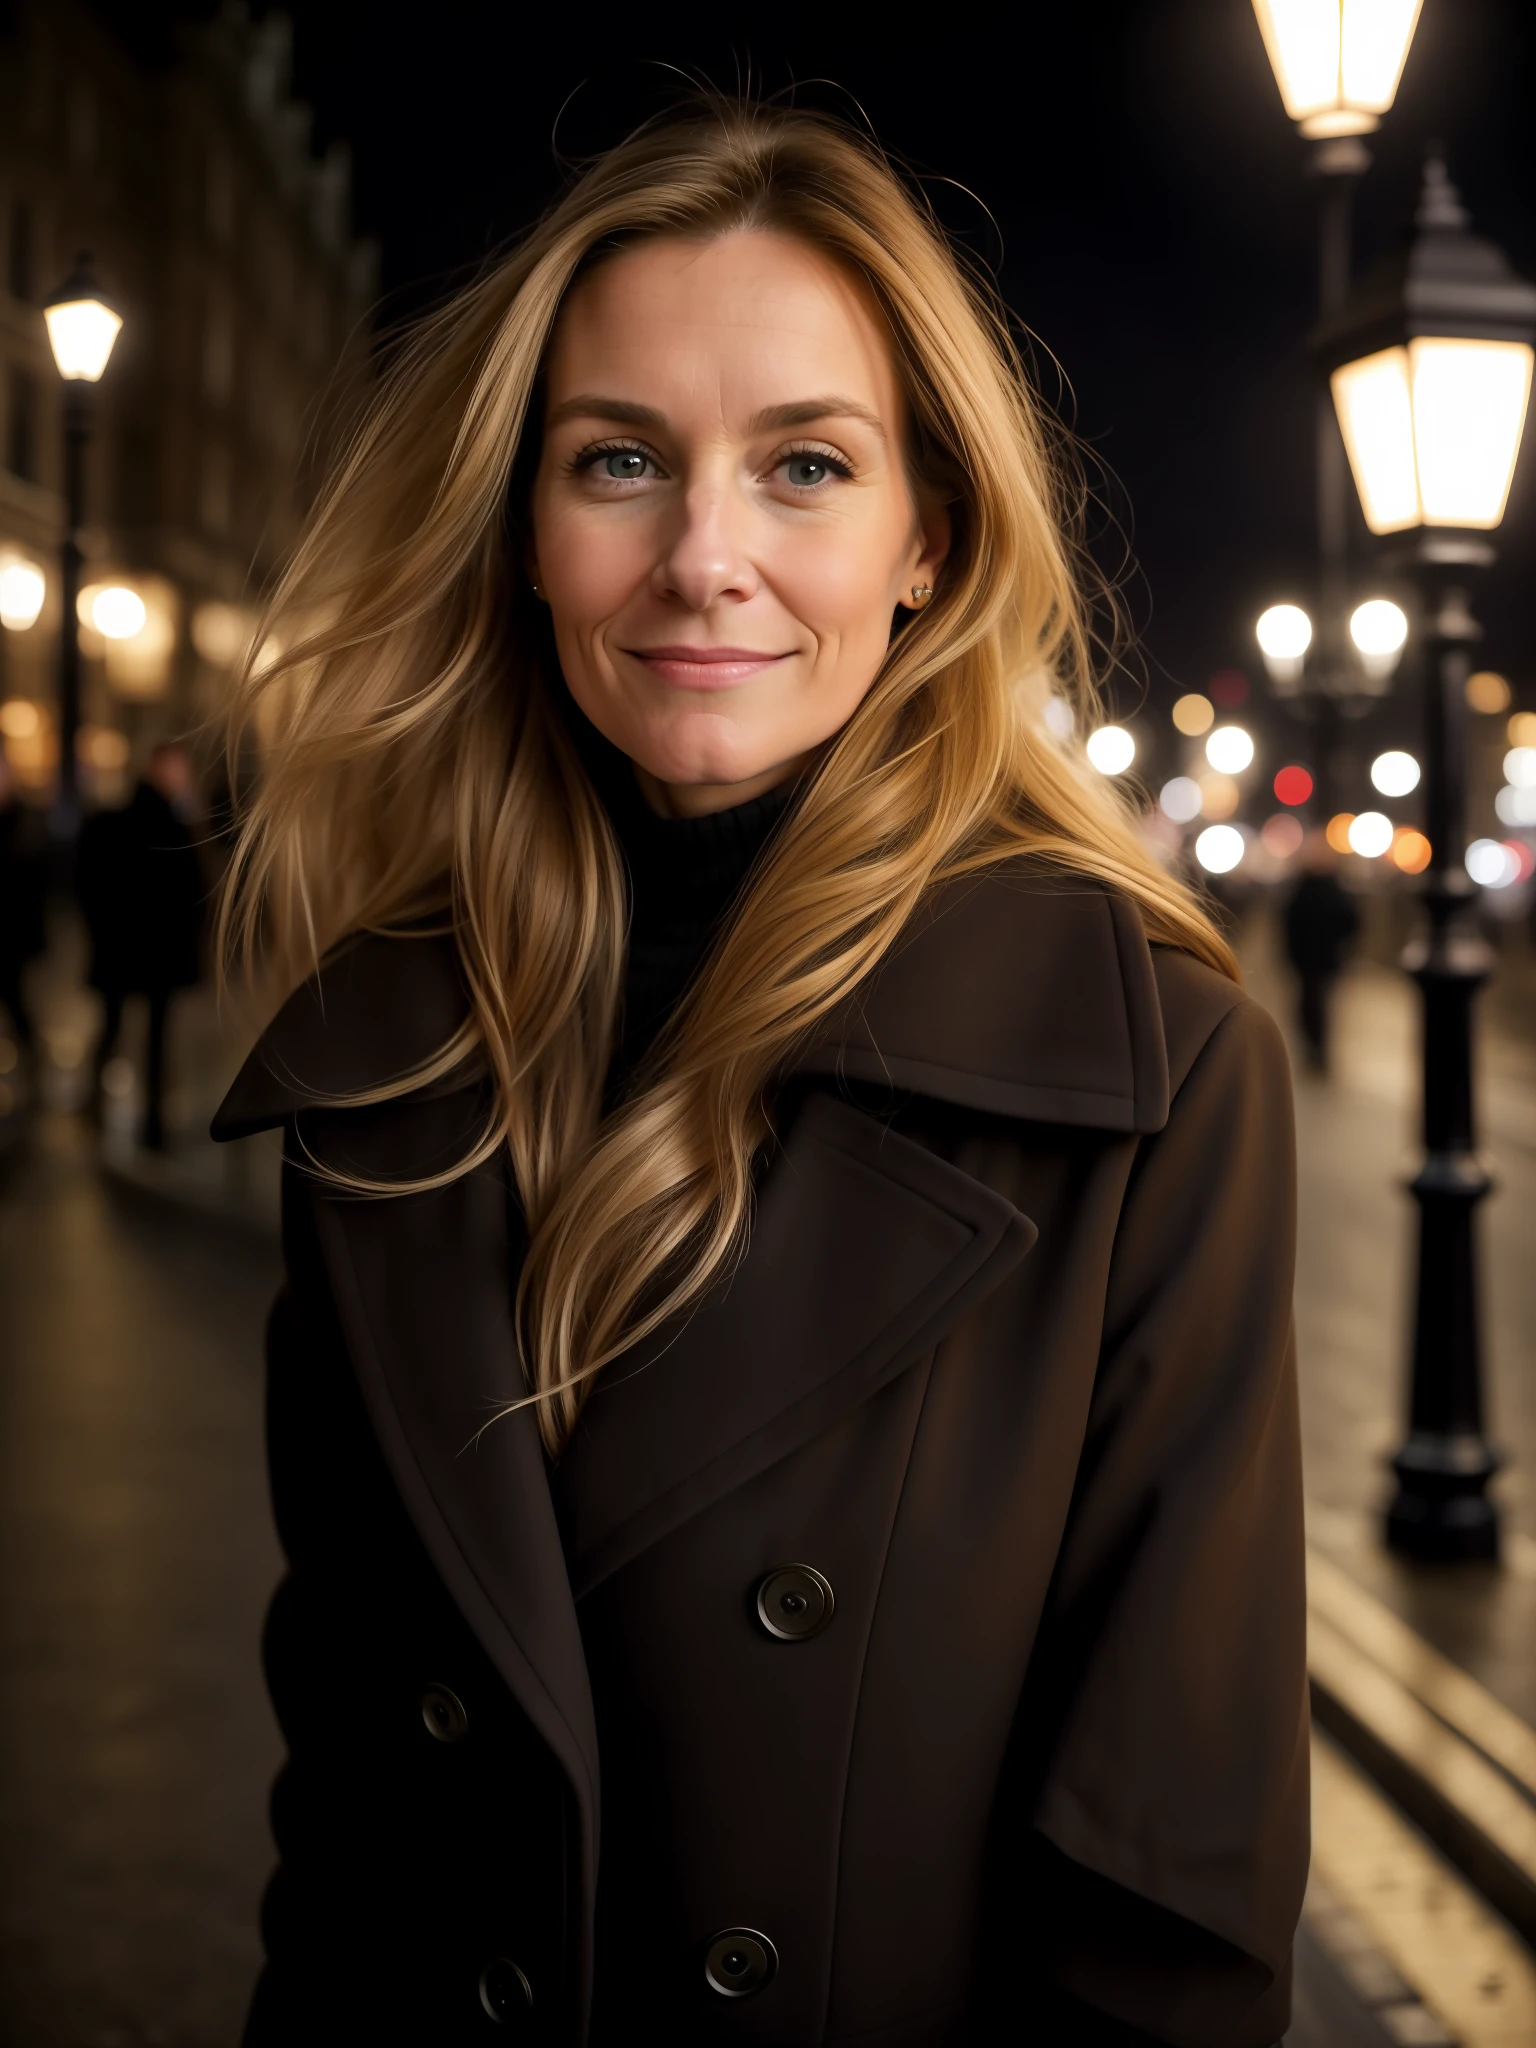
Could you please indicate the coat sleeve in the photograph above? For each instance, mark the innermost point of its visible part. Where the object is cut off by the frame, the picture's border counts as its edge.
(1169, 1692)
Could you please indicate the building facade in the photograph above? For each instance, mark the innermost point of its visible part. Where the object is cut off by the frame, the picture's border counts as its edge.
(225, 242)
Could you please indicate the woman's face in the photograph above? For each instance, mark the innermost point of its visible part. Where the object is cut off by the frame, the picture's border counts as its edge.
(723, 528)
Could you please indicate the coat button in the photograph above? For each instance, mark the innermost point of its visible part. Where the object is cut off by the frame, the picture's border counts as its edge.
(444, 1715)
(505, 1992)
(794, 1603)
(740, 1962)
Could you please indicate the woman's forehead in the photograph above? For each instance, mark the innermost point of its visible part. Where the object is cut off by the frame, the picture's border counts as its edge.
(752, 318)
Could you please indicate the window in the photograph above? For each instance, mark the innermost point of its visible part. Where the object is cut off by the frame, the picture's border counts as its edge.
(19, 277)
(21, 426)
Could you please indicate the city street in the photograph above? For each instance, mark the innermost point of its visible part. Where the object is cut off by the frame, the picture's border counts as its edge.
(136, 1553)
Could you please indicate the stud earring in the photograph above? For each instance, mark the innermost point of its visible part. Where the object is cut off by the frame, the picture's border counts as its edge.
(922, 594)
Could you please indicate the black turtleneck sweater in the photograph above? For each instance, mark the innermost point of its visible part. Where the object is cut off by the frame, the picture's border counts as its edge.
(684, 876)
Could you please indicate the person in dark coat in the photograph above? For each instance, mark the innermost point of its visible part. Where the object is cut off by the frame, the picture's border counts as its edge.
(782, 1409)
(1321, 923)
(21, 905)
(143, 892)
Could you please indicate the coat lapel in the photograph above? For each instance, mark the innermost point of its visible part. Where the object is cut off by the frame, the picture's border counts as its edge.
(865, 1250)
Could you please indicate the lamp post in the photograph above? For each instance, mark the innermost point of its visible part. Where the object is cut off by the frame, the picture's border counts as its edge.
(1429, 363)
(1337, 64)
(82, 327)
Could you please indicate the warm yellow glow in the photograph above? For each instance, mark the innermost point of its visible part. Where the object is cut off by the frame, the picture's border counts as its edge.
(1469, 401)
(1410, 850)
(1378, 626)
(102, 747)
(1487, 691)
(114, 610)
(23, 587)
(1219, 795)
(1371, 398)
(81, 333)
(1337, 62)
(1522, 729)
(1111, 749)
(222, 632)
(1283, 631)
(1194, 714)
(20, 720)
(1337, 830)
(1433, 429)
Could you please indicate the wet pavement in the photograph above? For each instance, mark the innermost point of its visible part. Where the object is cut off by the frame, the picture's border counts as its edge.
(136, 1559)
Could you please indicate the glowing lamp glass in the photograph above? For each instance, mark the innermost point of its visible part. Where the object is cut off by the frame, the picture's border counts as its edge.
(81, 333)
(1395, 774)
(1111, 749)
(1219, 849)
(1433, 429)
(23, 587)
(1229, 750)
(1337, 62)
(1378, 626)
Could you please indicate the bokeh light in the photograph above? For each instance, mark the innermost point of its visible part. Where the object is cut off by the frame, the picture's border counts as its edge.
(1525, 859)
(1395, 773)
(1282, 835)
(1284, 632)
(1487, 692)
(1492, 864)
(1522, 729)
(23, 587)
(1111, 749)
(1219, 795)
(1219, 849)
(1516, 806)
(1378, 626)
(1410, 850)
(117, 612)
(1229, 750)
(1370, 834)
(1181, 799)
(1336, 832)
(1194, 714)
(1520, 767)
(1293, 785)
(20, 720)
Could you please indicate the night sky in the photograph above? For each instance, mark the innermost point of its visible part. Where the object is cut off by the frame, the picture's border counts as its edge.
(1135, 182)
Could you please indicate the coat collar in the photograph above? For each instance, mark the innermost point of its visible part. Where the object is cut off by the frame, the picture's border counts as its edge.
(1011, 992)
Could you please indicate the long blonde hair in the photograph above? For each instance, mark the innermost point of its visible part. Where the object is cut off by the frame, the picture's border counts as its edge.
(413, 757)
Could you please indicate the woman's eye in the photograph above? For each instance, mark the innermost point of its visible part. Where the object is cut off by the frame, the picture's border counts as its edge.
(805, 472)
(624, 465)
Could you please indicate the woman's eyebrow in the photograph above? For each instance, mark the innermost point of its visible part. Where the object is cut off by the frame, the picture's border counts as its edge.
(588, 405)
(803, 412)
(806, 411)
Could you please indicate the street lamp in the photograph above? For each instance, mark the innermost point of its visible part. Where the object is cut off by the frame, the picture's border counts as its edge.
(82, 327)
(1429, 363)
(1337, 62)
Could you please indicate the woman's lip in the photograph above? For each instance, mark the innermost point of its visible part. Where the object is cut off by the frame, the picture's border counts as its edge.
(705, 668)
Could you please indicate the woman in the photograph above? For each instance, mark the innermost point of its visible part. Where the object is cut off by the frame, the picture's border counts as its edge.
(781, 1414)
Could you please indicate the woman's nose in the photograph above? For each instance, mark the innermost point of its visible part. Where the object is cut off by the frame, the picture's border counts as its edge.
(706, 557)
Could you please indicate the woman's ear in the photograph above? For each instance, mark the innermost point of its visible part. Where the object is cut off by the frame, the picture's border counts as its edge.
(935, 531)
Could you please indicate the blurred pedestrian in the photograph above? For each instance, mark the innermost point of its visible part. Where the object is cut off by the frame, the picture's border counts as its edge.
(142, 889)
(1321, 922)
(21, 905)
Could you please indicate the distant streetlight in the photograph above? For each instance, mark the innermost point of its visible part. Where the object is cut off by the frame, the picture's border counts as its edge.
(1337, 62)
(23, 586)
(1284, 633)
(82, 329)
(1429, 362)
(1379, 629)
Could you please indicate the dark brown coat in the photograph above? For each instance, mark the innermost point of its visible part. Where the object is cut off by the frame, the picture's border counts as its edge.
(1008, 1362)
